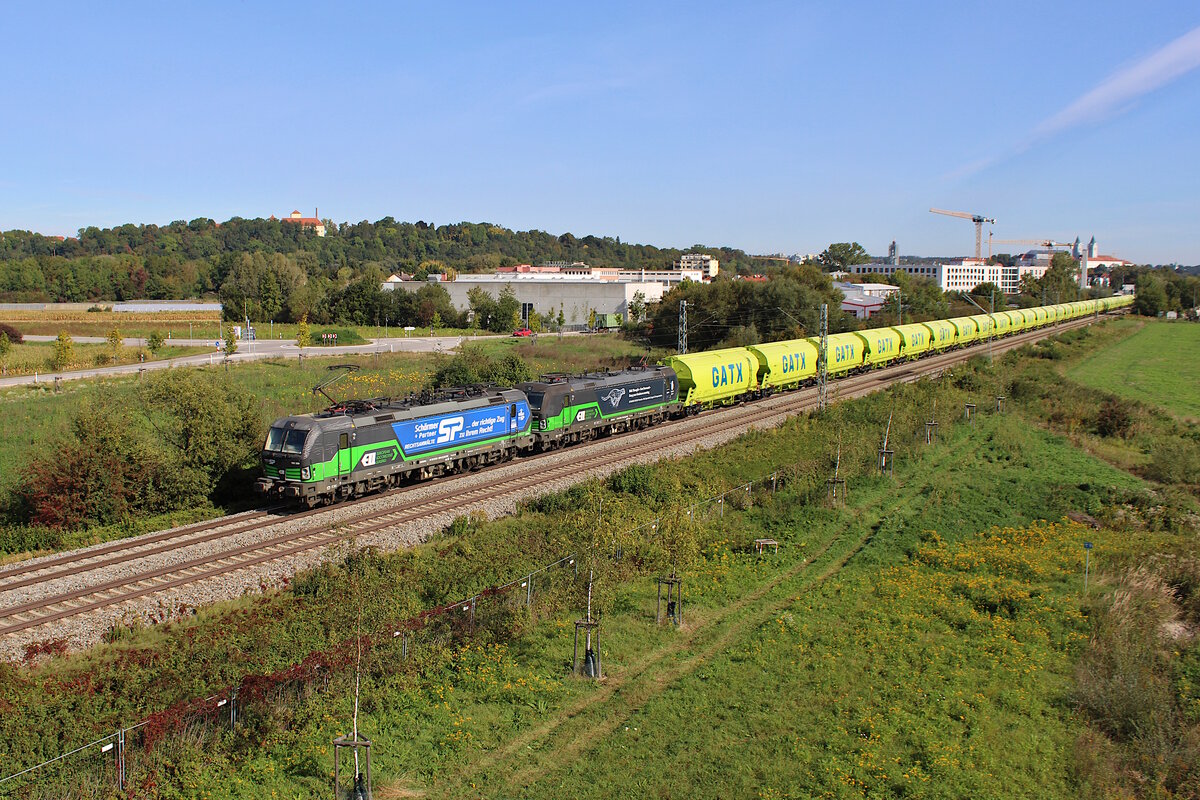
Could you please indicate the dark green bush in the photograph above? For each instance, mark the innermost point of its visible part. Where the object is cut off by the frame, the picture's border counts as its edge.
(473, 366)
(1051, 350)
(183, 442)
(1114, 418)
(29, 539)
(1027, 389)
(637, 480)
(1175, 461)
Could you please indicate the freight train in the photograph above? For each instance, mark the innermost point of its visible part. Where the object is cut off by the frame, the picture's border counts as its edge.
(362, 446)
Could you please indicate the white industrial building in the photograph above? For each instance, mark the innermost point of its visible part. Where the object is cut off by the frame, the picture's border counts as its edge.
(930, 271)
(864, 299)
(546, 293)
(964, 275)
(576, 288)
(968, 273)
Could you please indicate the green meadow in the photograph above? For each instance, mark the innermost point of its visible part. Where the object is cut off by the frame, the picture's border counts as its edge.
(1158, 364)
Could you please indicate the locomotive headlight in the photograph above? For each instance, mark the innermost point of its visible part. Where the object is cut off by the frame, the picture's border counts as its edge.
(305, 473)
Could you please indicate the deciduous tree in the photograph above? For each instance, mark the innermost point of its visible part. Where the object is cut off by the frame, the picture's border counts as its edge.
(840, 255)
(1151, 298)
(154, 342)
(303, 334)
(987, 293)
(63, 353)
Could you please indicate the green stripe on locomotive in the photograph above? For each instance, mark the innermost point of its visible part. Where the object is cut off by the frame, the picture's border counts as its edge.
(377, 454)
(585, 412)
(559, 402)
(349, 445)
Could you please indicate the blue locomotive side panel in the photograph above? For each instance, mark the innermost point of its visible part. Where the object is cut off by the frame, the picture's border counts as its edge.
(461, 428)
(633, 396)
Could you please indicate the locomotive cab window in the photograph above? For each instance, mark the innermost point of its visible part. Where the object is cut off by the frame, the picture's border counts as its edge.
(291, 441)
(344, 441)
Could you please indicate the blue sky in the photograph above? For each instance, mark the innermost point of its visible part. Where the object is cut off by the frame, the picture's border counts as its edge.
(766, 126)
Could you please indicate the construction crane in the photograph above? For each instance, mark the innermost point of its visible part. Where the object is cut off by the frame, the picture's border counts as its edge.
(978, 219)
(1039, 242)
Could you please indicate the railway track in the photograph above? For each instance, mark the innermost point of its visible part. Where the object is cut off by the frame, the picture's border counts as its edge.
(54, 604)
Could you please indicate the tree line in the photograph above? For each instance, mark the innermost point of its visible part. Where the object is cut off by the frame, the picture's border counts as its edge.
(729, 313)
(283, 269)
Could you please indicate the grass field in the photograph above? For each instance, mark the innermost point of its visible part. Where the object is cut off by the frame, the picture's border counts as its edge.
(181, 324)
(1159, 364)
(918, 642)
(199, 324)
(34, 357)
(839, 668)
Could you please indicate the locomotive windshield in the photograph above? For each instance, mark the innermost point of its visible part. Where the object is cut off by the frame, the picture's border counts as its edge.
(280, 440)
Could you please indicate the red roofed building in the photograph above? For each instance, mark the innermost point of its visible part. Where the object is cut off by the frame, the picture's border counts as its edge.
(313, 222)
(525, 269)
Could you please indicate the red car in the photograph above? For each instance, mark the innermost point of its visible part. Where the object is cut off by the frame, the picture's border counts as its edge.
(522, 332)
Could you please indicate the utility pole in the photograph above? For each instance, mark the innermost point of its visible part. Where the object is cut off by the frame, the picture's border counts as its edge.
(885, 455)
(823, 361)
(682, 327)
(992, 330)
(992, 320)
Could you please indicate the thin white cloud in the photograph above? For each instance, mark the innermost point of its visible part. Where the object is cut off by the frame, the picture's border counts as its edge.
(559, 91)
(1115, 95)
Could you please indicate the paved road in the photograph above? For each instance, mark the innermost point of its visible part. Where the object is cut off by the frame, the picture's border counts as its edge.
(247, 351)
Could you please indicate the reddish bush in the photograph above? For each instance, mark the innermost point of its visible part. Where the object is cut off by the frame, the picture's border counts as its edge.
(1114, 418)
(14, 335)
(50, 647)
(71, 486)
(109, 471)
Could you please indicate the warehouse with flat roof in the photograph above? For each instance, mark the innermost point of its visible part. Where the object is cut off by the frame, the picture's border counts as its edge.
(576, 295)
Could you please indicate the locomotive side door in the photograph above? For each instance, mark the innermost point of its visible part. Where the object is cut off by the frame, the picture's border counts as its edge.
(343, 458)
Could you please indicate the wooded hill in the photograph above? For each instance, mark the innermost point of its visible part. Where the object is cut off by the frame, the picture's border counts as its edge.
(191, 259)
